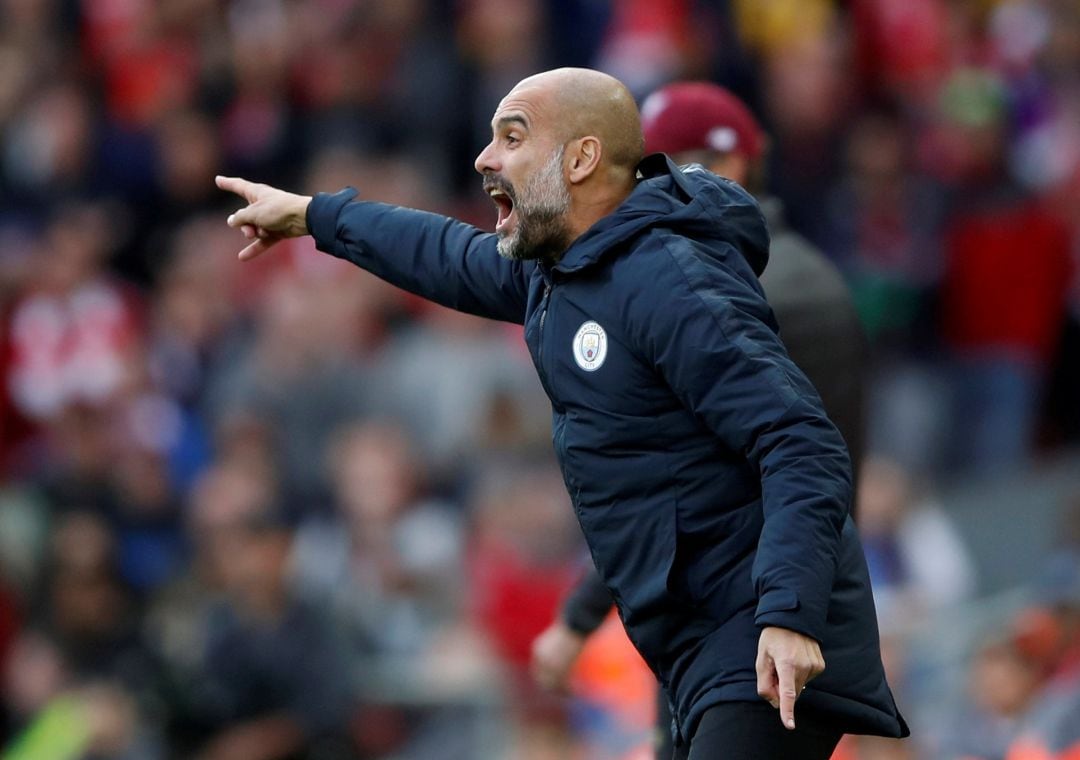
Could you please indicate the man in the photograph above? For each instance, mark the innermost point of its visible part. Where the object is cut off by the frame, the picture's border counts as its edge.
(711, 488)
(704, 123)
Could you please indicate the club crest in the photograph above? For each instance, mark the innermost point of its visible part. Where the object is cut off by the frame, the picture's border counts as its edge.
(590, 346)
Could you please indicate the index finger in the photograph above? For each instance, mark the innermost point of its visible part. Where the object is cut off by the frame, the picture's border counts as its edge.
(785, 673)
(241, 187)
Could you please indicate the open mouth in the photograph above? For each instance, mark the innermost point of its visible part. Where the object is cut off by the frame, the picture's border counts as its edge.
(505, 205)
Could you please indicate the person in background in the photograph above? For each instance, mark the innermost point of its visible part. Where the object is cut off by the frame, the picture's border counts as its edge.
(703, 123)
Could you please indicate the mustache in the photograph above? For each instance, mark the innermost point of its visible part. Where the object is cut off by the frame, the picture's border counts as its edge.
(496, 182)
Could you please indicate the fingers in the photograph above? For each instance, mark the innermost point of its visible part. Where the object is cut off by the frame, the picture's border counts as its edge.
(242, 218)
(781, 685)
(241, 187)
(789, 687)
(766, 679)
(251, 232)
(258, 248)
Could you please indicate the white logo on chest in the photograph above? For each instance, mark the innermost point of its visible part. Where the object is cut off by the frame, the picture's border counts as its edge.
(590, 346)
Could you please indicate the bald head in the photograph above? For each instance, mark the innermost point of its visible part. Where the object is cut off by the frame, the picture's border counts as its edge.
(586, 102)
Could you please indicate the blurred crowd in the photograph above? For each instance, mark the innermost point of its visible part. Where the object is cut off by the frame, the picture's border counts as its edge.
(282, 510)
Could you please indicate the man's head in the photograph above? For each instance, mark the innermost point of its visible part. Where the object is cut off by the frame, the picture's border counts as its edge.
(700, 122)
(564, 151)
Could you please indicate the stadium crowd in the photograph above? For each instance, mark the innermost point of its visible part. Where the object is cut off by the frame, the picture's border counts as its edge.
(282, 510)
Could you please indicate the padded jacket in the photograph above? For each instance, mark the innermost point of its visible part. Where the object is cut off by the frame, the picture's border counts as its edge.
(713, 491)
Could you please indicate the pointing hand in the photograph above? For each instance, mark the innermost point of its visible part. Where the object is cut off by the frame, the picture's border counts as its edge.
(786, 661)
(270, 216)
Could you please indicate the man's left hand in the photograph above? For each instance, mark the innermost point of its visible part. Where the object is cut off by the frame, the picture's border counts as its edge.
(786, 661)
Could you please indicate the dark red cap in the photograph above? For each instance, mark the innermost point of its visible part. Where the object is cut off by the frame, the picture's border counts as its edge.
(699, 116)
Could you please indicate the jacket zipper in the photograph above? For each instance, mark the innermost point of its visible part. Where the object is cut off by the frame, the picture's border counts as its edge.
(542, 364)
(543, 312)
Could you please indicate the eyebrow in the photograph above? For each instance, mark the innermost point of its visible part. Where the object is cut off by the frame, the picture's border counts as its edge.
(504, 121)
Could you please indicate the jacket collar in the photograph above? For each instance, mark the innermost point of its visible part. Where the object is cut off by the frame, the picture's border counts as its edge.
(640, 209)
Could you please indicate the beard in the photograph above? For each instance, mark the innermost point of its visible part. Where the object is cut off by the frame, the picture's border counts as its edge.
(542, 231)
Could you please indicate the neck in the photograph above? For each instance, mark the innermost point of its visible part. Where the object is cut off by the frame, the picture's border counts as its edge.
(591, 208)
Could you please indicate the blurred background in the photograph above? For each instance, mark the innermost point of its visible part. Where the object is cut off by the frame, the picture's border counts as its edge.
(282, 510)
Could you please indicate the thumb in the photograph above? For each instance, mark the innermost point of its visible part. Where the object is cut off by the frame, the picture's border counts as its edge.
(766, 679)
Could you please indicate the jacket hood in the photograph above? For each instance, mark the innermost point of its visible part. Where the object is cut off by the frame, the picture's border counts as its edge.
(687, 200)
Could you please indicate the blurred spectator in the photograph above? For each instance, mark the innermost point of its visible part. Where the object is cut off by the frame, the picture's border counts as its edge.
(525, 546)
(183, 154)
(808, 97)
(303, 377)
(74, 331)
(486, 388)
(387, 565)
(387, 568)
(271, 677)
(1004, 682)
(884, 232)
(60, 719)
(1001, 314)
(148, 62)
(49, 148)
(32, 676)
(901, 48)
(250, 670)
(76, 684)
(192, 313)
(80, 450)
(645, 43)
(90, 612)
(258, 120)
(917, 562)
(148, 520)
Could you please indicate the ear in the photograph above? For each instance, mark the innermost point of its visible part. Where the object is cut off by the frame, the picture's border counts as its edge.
(583, 156)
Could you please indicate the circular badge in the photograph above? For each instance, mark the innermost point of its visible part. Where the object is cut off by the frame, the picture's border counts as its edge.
(590, 346)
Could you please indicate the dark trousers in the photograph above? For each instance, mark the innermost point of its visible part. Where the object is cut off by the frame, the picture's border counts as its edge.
(752, 731)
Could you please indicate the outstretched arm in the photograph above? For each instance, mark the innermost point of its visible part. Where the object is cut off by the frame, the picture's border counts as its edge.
(433, 256)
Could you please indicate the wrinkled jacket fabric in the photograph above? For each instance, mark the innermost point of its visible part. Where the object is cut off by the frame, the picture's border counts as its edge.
(712, 490)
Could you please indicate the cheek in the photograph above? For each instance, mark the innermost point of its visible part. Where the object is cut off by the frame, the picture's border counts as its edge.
(517, 167)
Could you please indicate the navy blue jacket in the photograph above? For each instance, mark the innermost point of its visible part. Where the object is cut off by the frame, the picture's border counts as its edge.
(712, 490)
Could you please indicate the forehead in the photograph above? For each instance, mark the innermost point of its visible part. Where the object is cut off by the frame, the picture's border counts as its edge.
(529, 104)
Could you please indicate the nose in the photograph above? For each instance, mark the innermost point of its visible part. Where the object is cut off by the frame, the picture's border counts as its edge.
(486, 162)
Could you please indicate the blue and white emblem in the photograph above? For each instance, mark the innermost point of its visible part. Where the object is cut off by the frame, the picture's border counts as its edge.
(590, 346)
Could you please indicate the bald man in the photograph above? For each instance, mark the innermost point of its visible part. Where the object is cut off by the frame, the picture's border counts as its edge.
(711, 487)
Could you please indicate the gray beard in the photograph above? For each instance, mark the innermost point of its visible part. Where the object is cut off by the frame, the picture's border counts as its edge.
(541, 208)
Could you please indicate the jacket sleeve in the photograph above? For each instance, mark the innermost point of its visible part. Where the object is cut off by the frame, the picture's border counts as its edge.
(712, 342)
(588, 602)
(436, 257)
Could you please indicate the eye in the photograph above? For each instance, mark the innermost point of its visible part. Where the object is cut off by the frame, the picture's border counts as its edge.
(512, 140)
